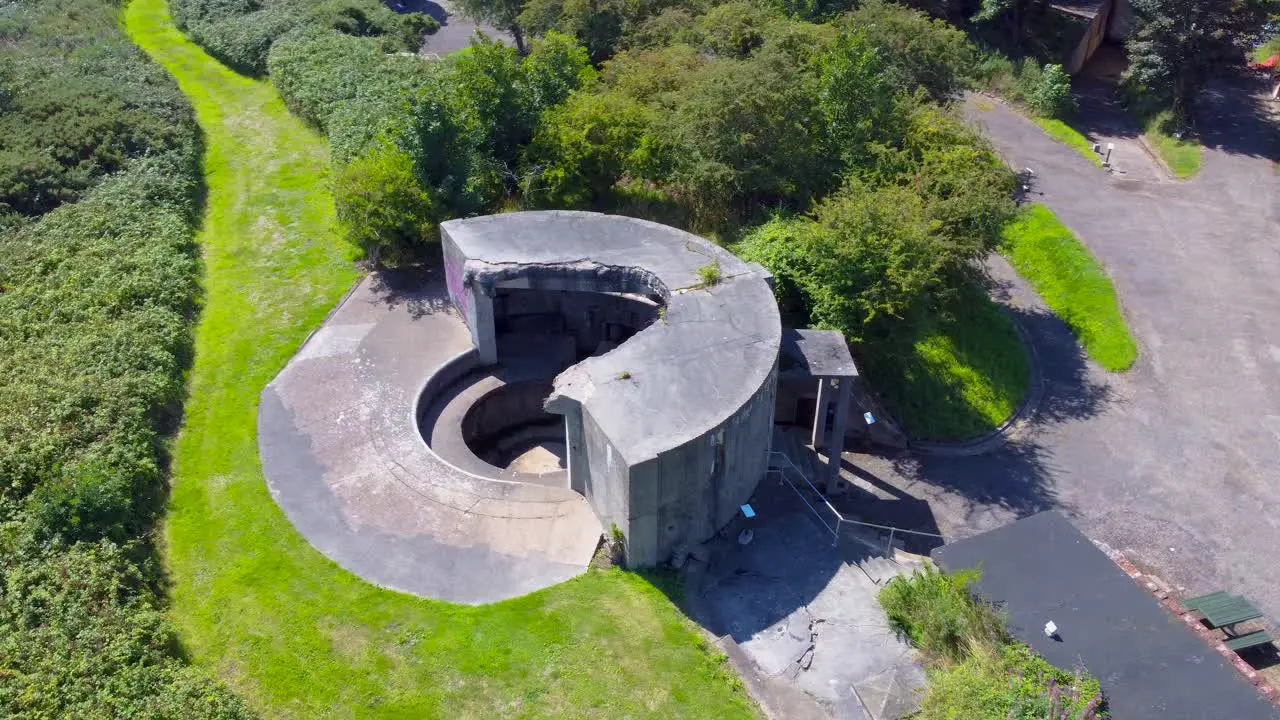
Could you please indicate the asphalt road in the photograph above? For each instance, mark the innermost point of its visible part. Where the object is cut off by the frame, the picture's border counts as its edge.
(1177, 461)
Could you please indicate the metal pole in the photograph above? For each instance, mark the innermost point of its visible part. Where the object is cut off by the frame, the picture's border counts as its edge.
(889, 550)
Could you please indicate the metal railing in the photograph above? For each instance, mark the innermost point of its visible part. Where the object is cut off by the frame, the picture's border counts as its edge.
(840, 519)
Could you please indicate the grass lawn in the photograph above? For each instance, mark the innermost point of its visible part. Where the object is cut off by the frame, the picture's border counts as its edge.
(1181, 156)
(958, 378)
(1070, 137)
(1072, 284)
(294, 634)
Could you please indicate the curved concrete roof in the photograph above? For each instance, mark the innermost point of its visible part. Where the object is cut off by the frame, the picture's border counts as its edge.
(678, 378)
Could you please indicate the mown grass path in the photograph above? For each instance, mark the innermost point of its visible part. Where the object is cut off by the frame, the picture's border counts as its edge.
(289, 630)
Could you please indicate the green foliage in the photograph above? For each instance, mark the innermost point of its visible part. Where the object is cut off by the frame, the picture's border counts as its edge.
(916, 50)
(1050, 94)
(81, 635)
(1011, 682)
(585, 147)
(940, 616)
(709, 274)
(503, 14)
(854, 94)
(1069, 136)
(977, 670)
(382, 208)
(1179, 43)
(241, 33)
(734, 29)
(1072, 283)
(79, 102)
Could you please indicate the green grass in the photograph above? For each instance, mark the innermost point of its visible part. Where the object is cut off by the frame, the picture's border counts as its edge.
(1070, 137)
(294, 634)
(961, 376)
(1182, 157)
(1072, 284)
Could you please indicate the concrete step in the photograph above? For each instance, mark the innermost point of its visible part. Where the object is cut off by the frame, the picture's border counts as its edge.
(881, 569)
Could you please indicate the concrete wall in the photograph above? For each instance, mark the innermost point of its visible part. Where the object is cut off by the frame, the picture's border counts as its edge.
(686, 494)
(1091, 41)
(590, 318)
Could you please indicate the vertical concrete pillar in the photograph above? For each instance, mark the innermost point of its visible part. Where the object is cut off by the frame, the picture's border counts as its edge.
(482, 328)
(819, 439)
(835, 446)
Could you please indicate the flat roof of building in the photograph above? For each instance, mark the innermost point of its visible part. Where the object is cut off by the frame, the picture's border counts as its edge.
(816, 353)
(685, 374)
(1151, 666)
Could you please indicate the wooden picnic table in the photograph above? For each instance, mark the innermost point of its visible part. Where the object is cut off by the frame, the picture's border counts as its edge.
(1222, 610)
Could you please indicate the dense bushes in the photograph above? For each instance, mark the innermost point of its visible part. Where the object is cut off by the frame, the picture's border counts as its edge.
(240, 33)
(976, 670)
(96, 297)
(78, 103)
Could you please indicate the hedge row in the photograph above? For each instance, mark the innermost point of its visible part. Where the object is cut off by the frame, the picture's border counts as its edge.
(77, 102)
(240, 33)
(96, 300)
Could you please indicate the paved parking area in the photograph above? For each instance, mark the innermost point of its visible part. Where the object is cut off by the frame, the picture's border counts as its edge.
(1176, 462)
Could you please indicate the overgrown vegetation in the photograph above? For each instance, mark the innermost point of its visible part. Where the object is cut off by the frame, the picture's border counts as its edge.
(97, 287)
(976, 670)
(240, 33)
(1072, 283)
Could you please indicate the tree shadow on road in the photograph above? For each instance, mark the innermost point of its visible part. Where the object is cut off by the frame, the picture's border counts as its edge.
(1232, 116)
(1017, 478)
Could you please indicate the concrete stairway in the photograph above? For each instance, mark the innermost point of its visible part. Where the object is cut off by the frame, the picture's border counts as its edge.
(882, 569)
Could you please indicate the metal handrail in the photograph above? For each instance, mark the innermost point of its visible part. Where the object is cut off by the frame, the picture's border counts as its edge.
(840, 519)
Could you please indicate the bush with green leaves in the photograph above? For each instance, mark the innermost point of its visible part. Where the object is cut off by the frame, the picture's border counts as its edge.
(80, 101)
(241, 33)
(1050, 95)
(97, 291)
(917, 51)
(585, 147)
(382, 208)
(976, 670)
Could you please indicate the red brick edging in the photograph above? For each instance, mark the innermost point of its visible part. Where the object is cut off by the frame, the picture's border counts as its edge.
(1171, 603)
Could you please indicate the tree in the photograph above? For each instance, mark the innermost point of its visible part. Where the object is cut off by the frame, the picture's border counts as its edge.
(502, 14)
(381, 206)
(1179, 42)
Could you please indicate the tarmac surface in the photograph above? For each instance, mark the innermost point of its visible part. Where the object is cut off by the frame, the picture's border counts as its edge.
(341, 451)
(1176, 462)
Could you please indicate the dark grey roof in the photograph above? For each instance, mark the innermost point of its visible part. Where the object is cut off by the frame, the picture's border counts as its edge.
(815, 353)
(1151, 666)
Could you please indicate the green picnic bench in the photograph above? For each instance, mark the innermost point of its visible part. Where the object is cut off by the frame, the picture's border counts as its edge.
(1240, 642)
(1224, 610)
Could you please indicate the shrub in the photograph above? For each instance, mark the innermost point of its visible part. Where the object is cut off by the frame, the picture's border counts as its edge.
(79, 102)
(917, 51)
(583, 148)
(976, 670)
(241, 33)
(1051, 96)
(244, 41)
(937, 612)
(382, 208)
(316, 69)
